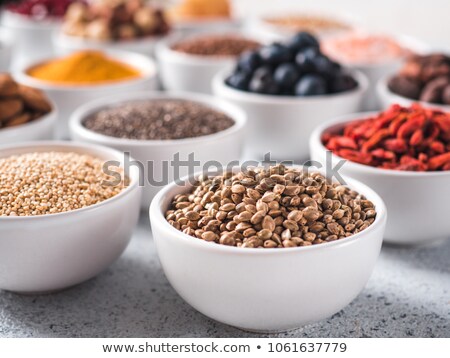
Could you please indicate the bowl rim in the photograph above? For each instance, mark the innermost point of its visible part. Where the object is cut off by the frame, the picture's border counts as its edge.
(220, 88)
(64, 146)
(62, 39)
(238, 116)
(165, 53)
(133, 59)
(157, 218)
(383, 91)
(49, 117)
(316, 142)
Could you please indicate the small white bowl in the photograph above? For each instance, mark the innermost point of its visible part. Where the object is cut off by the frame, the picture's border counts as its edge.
(266, 290)
(387, 97)
(70, 97)
(42, 128)
(65, 44)
(185, 72)
(417, 202)
(281, 125)
(6, 51)
(52, 252)
(222, 147)
(32, 37)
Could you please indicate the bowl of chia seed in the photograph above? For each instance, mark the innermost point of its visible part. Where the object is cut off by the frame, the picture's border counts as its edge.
(169, 135)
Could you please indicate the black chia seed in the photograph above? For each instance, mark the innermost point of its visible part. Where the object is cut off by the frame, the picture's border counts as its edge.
(159, 119)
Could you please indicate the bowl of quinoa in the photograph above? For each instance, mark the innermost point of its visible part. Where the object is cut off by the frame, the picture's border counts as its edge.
(66, 213)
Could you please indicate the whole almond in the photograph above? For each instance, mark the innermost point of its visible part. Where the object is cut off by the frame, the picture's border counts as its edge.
(10, 108)
(8, 87)
(34, 99)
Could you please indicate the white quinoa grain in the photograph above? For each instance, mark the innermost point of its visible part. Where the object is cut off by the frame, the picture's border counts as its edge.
(53, 182)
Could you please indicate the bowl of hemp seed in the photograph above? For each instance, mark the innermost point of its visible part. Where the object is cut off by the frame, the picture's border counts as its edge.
(268, 248)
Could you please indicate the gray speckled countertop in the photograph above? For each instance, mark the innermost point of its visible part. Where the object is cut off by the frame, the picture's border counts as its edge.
(407, 296)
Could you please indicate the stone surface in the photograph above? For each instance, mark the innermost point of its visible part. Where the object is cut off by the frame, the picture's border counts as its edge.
(407, 296)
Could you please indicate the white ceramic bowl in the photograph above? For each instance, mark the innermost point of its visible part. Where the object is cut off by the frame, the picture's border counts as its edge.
(222, 147)
(40, 129)
(374, 72)
(185, 72)
(266, 290)
(417, 202)
(387, 97)
(65, 44)
(32, 38)
(70, 97)
(281, 125)
(51, 252)
(6, 50)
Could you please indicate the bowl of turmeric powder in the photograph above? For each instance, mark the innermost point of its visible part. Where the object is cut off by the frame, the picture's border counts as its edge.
(73, 80)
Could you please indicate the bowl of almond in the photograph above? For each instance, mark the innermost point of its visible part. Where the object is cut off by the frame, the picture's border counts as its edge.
(26, 114)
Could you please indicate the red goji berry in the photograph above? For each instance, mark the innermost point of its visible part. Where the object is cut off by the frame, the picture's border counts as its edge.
(439, 161)
(400, 138)
(417, 138)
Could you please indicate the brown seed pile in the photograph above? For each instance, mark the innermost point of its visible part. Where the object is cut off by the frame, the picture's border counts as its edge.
(270, 208)
(158, 120)
(216, 45)
(52, 182)
(20, 104)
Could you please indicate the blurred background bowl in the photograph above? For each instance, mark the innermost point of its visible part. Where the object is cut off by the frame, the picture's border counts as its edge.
(387, 97)
(32, 38)
(69, 97)
(263, 29)
(376, 71)
(180, 71)
(417, 202)
(51, 252)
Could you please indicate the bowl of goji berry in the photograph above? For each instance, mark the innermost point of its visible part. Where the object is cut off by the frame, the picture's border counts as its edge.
(402, 153)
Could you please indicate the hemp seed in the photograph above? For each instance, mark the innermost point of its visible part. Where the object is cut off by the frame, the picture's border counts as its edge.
(277, 207)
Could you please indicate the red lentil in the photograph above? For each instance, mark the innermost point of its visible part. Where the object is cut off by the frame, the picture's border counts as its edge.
(401, 138)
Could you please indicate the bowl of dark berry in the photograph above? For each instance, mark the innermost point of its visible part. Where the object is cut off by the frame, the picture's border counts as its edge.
(287, 89)
(424, 79)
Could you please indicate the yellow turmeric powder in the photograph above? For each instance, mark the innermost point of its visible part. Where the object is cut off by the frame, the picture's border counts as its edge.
(85, 67)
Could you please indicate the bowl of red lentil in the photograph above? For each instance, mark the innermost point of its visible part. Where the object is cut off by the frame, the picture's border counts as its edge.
(64, 216)
(402, 153)
(189, 63)
(375, 54)
(258, 242)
